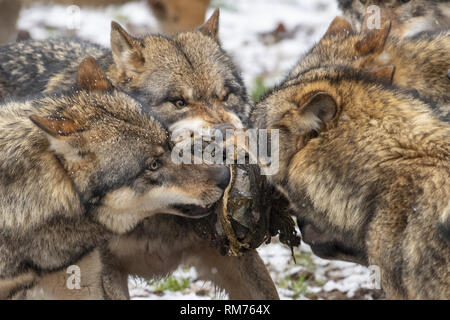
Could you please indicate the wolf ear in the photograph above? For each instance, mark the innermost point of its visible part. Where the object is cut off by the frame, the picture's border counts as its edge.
(211, 27)
(320, 108)
(59, 132)
(127, 50)
(339, 26)
(374, 40)
(90, 76)
(56, 127)
(385, 73)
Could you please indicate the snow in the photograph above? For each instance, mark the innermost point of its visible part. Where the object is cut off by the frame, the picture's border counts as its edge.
(241, 24)
(240, 30)
(244, 24)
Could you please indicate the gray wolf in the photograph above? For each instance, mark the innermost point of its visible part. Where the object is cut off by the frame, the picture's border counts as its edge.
(78, 169)
(369, 164)
(418, 63)
(188, 81)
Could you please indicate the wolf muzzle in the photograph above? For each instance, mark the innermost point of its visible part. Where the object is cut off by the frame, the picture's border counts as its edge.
(191, 210)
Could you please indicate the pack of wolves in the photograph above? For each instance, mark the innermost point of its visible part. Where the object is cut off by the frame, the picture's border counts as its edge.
(363, 121)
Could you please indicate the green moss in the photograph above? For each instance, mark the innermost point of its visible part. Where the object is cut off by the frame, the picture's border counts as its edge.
(304, 259)
(259, 88)
(297, 285)
(171, 284)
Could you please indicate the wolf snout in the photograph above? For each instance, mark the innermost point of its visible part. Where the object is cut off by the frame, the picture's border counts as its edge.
(222, 176)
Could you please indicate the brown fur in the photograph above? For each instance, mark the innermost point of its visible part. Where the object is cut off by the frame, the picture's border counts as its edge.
(53, 286)
(205, 88)
(189, 66)
(65, 205)
(419, 63)
(370, 165)
(90, 77)
(408, 18)
(158, 71)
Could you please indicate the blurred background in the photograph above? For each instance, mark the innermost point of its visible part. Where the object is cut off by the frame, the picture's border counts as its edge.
(265, 39)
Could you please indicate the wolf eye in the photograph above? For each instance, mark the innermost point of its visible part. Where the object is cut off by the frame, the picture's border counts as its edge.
(180, 103)
(155, 165)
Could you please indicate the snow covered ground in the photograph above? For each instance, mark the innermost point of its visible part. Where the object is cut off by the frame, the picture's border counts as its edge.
(309, 278)
(265, 38)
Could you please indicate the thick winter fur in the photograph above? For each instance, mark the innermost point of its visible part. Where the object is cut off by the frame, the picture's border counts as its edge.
(418, 63)
(159, 71)
(408, 17)
(172, 15)
(60, 285)
(77, 169)
(370, 164)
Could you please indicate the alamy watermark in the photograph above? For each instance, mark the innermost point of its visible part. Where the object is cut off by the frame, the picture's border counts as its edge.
(73, 282)
(373, 20)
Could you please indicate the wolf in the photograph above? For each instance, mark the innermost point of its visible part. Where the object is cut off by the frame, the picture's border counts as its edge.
(79, 169)
(189, 82)
(418, 63)
(84, 280)
(186, 78)
(369, 163)
(408, 18)
(172, 15)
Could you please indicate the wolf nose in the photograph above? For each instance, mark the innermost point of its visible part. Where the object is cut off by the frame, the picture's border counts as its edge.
(223, 177)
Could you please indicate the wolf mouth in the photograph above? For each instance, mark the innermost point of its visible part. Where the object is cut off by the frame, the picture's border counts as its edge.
(193, 211)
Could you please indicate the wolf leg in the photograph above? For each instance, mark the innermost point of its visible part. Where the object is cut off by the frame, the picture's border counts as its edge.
(88, 279)
(158, 246)
(9, 13)
(244, 277)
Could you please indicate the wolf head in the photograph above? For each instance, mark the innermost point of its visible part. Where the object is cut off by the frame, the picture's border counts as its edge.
(359, 50)
(340, 134)
(304, 109)
(298, 116)
(187, 79)
(119, 158)
(332, 108)
(408, 17)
